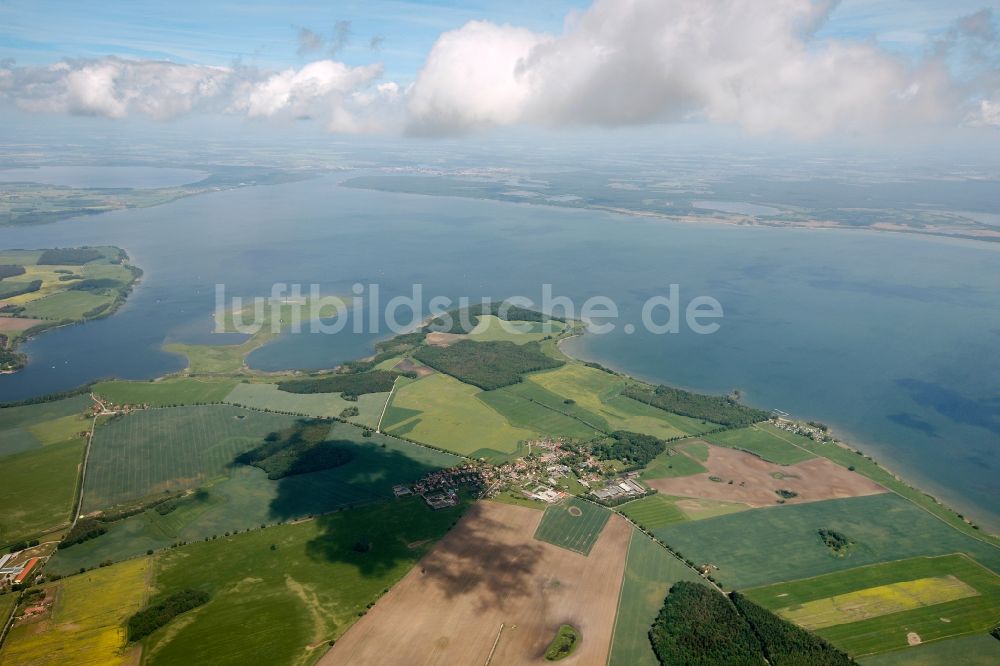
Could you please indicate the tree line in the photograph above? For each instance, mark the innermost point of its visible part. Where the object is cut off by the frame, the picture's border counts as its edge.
(715, 408)
(150, 619)
(349, 385)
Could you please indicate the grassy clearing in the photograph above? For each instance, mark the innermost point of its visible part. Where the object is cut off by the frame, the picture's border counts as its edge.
(671, 463)
(490, 328)
(573, 524)
(165, 392)
(649, 572)
(281, 604)
(159, 450)
(246, 498)
(872, 609)
(217, 359)
(85, 626)
(762, 441)
(697, 450)
(884, 527)
(37, 488)
(442, 411)
(981, 650)
(268, 397)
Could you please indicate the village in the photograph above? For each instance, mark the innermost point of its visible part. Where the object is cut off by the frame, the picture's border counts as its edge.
(548, 473)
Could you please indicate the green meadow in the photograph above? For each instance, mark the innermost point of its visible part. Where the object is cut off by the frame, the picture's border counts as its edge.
(269, 397)
(671, 463)
(884, 527)
(165, 392)
(762, 440)
(441, 411)
(154, 451)
(37, 489)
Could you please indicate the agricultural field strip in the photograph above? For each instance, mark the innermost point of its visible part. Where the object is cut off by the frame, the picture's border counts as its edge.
(650, 570)
(881, 632)
(876, 601)
(576, 533)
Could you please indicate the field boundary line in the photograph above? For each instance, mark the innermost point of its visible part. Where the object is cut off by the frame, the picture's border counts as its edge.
(893, 490)
(385, 407)
(78, 500)
(621, 591)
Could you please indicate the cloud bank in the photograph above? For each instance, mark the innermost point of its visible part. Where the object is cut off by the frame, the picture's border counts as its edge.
(621, 62)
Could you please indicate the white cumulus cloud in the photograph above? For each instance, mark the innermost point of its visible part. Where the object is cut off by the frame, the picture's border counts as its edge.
(625, 62)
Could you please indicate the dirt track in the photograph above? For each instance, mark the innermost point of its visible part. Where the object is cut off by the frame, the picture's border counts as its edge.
(490, 570)
(754, 480)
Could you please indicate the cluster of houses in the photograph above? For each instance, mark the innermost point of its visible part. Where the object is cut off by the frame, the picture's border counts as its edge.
(439, 487)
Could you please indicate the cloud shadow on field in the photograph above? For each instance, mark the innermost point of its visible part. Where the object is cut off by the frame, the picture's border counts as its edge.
(476, 562)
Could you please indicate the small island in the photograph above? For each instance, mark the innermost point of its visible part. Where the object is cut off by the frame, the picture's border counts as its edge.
(43, 289)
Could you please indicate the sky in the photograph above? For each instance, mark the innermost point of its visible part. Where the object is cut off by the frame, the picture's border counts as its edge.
(802, 68)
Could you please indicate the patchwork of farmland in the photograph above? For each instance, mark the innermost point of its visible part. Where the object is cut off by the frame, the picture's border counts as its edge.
(157, 450)
(279, 595)
(883, 527)
(766, 441)
(442, 411)
(884, 606)
(980, 650)
(524, 406)
(33, 426)
(85, 622)
(649, 572)
(246, 498)
(573, 524)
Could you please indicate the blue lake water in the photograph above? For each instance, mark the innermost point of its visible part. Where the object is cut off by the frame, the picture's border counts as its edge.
(891, 338)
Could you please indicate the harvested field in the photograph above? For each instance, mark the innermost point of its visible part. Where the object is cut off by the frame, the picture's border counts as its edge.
(756, 481)
(17, 324)
(487, 572)
(444, 339)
